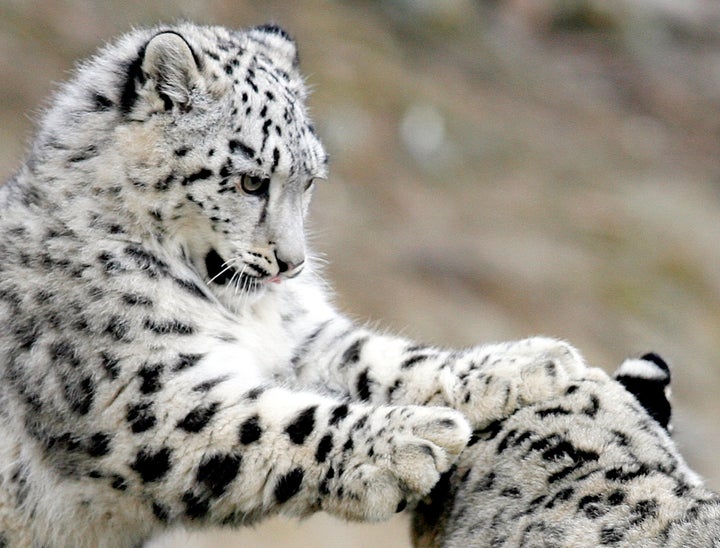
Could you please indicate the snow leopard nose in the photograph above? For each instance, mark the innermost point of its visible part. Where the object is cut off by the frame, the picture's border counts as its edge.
(289, 269)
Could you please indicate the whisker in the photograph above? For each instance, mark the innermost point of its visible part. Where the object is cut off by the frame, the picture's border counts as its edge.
(229, 266)
(240, 281)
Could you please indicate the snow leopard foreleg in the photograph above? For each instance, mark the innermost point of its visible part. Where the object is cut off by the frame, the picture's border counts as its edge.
(221, 450)
(486, 382)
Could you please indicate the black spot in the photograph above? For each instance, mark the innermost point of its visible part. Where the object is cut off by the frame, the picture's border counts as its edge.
(302, 427)
(65, 442)
(338, 414)
(199, 175)
(152, 466)
(611, 535)
(168, 327)
(118, 482)
(324, 447)
(352, 354)
(63, 352)
(198, 418)
(133, 299)
(589, 506)
(269, 28)
(196, 507)
(551, 412)
(226, 170)
(150, 377)
(117, 328)
(288, 485)
(99, 444)
(134, 78)
(25, 333)
(511, 492)
(594, 406)
(363, 385)
(218, 471)
(163, 184)
(250, 430)
(413, 360)
(361, 422)
(191, 287)
(571, 389)
(621, 438)
(616, 497)
(208, 385)
(161, 512)
(109, 263)
(624, 476)
(487, 433)
(237, 146)
(562, 495)
(100, 102)
(180, 152)
(255, 393)
(187, 360)
(643, 510)
(146, 260)
(80, 395)
(84, 154)
(486, 483)
(324, 488)
(110, 364)
(141, 417)
(276, 160)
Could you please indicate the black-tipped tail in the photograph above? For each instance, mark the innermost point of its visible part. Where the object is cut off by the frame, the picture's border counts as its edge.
(648, 379)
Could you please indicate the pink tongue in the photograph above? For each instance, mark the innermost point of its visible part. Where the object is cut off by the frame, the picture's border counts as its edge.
(274, 280)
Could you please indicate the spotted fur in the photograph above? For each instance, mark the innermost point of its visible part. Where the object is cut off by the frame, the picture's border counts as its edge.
(167, 351)
(590, 467)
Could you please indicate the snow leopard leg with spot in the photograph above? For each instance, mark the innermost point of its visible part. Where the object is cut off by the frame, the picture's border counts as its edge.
(486, 383)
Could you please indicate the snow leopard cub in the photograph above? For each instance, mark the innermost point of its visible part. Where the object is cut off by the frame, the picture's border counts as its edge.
(168, 354)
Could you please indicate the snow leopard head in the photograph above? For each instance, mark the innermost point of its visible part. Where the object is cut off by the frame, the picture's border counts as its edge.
(200, 138)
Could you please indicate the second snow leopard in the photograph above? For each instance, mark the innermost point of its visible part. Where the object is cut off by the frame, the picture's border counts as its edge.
(594, 466)
(167, 352)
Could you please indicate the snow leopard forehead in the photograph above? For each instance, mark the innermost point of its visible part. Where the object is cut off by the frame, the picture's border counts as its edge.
(252, 74)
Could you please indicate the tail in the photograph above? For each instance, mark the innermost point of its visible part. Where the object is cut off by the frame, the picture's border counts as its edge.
(648, 379)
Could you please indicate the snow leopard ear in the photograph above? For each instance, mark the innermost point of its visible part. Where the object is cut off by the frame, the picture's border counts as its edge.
(279, 41)
(169, 64)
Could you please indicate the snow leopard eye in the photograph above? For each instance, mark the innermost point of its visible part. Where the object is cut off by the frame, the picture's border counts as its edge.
(253, 185)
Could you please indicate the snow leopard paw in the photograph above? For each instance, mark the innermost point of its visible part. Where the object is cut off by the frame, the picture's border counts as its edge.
(397, 457)
(496, 380)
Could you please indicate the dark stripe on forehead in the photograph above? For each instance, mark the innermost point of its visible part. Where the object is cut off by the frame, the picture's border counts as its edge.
(237, 146)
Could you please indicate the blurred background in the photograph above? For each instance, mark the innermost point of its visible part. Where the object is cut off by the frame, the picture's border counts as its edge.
(499, 169)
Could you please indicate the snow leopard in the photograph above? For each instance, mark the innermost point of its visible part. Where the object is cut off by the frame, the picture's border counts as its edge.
(594, 466)
(169, 353)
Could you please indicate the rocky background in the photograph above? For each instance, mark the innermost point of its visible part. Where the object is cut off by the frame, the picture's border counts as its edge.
(499, 169)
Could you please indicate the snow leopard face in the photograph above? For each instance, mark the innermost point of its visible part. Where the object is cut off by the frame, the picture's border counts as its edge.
(211, 129)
